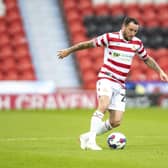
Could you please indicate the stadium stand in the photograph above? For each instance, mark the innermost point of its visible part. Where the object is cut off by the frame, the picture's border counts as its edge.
(92, 18)
(15, 57)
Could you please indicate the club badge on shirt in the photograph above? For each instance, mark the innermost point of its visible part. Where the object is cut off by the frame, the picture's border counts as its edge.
(134, 48)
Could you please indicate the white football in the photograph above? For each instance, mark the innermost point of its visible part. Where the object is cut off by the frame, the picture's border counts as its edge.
(116, 140)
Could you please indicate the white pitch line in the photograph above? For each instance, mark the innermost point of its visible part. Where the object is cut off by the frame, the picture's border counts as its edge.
(10, 139)
(152, 136)
(34, 139)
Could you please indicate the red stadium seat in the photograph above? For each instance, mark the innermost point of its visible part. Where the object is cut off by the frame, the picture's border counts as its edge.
(137, 75)
(10, 3)
(22, 50)
(131, 7)
(96, 53)
(135, 64)
(15, 27)
(152, 75)
(6, 51)
(98, 63)
(161, 7)
(85, 64)
(165, 24)
(13, 14)
(86, 7)
(9, 64)
(69, 5)
(80, 55)
(2, 75)
(147, 7)
(161, 52)
(18, 39)
(84, 4)
(163, 18)
(91, 85)
(163, 62)
(25, 69)
(3, 26)
(150, 17)
(11, 75)
(5, 40)
(27, 75)
(151, 52)
(117, 9)
(25, 65)
(152, 23)
(76, 28)
(101, 9)
(78, 38)
(89, 76)
(73, 16)
(88, 11)
(143, 67)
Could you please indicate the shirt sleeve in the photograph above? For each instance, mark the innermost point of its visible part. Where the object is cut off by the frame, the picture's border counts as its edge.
(101, 41)
(142, 52)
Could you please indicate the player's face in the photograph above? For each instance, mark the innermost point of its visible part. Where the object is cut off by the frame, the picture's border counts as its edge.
(130, 30)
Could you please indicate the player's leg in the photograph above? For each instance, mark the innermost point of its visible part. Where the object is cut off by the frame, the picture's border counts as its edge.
(96, 120)
(97, 126)
(104, 95)
(115, 118)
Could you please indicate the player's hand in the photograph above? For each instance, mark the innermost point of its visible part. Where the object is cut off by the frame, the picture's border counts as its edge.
(63, 53)
(163, 76)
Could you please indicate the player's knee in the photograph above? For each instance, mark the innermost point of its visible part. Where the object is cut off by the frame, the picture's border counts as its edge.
(116, 123)
(103, 107)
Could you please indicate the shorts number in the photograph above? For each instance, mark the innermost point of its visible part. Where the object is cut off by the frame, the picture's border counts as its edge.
(123, 98)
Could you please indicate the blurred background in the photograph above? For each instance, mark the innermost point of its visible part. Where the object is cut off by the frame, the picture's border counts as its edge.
(32, 31)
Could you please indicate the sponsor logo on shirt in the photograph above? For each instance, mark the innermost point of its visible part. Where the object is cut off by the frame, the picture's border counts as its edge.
(116, 54)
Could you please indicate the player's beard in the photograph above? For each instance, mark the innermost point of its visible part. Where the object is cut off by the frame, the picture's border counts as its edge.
(126, 37)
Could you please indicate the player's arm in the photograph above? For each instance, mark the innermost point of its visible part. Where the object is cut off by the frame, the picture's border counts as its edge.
(150, 62)
(79, 46)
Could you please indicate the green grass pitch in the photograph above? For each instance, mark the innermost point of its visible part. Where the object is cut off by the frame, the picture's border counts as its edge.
(49, 139)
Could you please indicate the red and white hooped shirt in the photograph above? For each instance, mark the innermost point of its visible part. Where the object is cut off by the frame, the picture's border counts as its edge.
(118, 55)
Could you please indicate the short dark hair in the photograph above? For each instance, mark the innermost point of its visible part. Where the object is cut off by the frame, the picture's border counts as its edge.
(128, 20)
